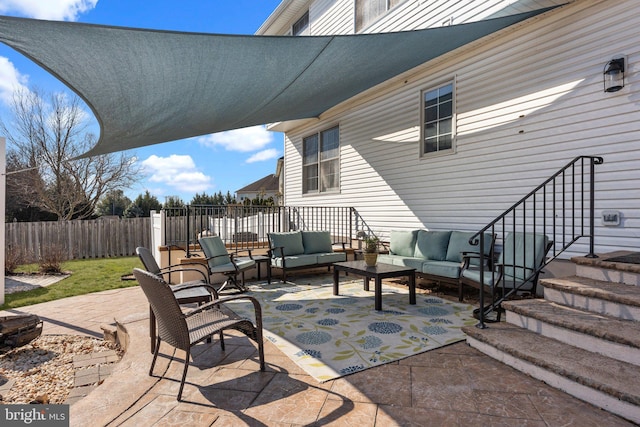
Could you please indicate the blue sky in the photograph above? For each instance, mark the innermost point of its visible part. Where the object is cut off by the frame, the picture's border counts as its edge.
(210, 163)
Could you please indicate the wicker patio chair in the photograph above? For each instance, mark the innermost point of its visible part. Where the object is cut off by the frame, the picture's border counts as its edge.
(219, 260)
(193, 291)
(183, 330)
(152, 266)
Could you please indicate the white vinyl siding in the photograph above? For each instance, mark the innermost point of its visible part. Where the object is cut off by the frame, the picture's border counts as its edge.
(327, 17)
(331, 17)
(413, 15)
(527, 103)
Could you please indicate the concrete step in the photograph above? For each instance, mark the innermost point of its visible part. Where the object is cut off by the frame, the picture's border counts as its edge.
(611, 299)
(607, 267)
(611, 384)
(608, 336)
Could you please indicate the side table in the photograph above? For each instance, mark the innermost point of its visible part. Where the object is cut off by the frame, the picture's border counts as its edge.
(263, 259)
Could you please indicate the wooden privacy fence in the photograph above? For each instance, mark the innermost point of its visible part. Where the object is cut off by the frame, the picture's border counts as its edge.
(79, 239)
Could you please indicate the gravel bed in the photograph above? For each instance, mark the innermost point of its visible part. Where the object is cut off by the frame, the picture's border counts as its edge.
(43, 370)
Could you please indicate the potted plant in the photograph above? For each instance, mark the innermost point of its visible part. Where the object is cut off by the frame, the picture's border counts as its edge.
(371, 250)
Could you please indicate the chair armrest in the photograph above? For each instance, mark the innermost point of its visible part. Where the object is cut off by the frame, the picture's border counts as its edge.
(217, 256)
(468, 256)
(502, 265)
(275, 250)
(177, 270)
(256, 306)
(248, 251)
(210, 288)
(234, 255)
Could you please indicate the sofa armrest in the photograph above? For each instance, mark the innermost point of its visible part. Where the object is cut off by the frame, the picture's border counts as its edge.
(468, 256)
(276, 252)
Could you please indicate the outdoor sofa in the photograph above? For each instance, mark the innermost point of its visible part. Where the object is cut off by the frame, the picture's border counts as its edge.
(302, 249)
(436, 255)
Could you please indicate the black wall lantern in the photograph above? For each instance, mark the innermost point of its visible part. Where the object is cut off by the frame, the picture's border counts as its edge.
(614, 75)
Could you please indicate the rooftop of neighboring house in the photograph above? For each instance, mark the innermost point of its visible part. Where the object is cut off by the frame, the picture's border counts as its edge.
(268, 184)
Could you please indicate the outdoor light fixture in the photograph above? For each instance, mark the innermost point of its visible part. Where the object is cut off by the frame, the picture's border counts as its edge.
(614, 75)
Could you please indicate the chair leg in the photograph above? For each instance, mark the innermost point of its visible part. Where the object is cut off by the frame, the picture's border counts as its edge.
(155, 356)
(221, 341)
(261, 352)
(184, 374)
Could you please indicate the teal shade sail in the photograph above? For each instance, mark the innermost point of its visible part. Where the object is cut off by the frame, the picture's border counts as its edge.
(146, 86)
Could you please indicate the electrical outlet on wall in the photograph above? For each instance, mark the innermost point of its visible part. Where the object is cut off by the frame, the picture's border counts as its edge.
(611, 218)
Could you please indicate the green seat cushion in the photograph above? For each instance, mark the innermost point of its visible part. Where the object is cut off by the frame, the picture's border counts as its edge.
(432, 245)
(402, 261)
(316, 242)
(402, 242)
(290, 241)
(230, 267)
(442, 268)
(506, 282)
(411, 262)
(388, 259)
(459, 242)
(473, 274)
(294, 261)
(330, 257)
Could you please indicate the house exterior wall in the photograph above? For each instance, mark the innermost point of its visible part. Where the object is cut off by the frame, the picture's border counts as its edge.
(330, 17)
(527, 102)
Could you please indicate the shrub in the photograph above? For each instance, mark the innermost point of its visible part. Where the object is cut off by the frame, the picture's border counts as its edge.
(14, 257)
(51, 260)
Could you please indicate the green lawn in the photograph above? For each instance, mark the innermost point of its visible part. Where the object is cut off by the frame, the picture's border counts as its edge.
(87, 276)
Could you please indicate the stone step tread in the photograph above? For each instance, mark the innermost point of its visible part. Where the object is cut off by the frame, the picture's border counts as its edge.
(626, 332)
(613, 377)
(609, 291)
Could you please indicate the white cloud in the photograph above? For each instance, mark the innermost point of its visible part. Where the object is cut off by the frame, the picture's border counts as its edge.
(56, 10)
(178, 172)
(261, 156)
(10, 80)
(244, 140)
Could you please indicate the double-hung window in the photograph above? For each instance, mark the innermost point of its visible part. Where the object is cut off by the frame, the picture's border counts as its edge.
(437, 129)
(321, 161)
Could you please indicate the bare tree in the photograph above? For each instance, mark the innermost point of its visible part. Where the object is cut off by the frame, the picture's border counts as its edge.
(48, 135)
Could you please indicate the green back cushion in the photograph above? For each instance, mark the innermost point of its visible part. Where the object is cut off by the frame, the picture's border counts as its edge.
(432, 245)
(291, 241)
(213, 246)
(402, 242)
(525, 250)
(316, 242)
(459, 243)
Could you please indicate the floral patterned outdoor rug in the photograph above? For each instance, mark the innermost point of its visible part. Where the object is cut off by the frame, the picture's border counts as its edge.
(330, 336)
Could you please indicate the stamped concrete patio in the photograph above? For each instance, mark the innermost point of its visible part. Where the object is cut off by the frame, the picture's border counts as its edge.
(450, 386)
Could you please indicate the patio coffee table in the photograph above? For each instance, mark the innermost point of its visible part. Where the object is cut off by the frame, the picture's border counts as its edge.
(377, 272)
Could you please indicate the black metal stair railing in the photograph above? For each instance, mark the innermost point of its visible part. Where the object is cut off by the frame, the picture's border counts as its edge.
(561, 208)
